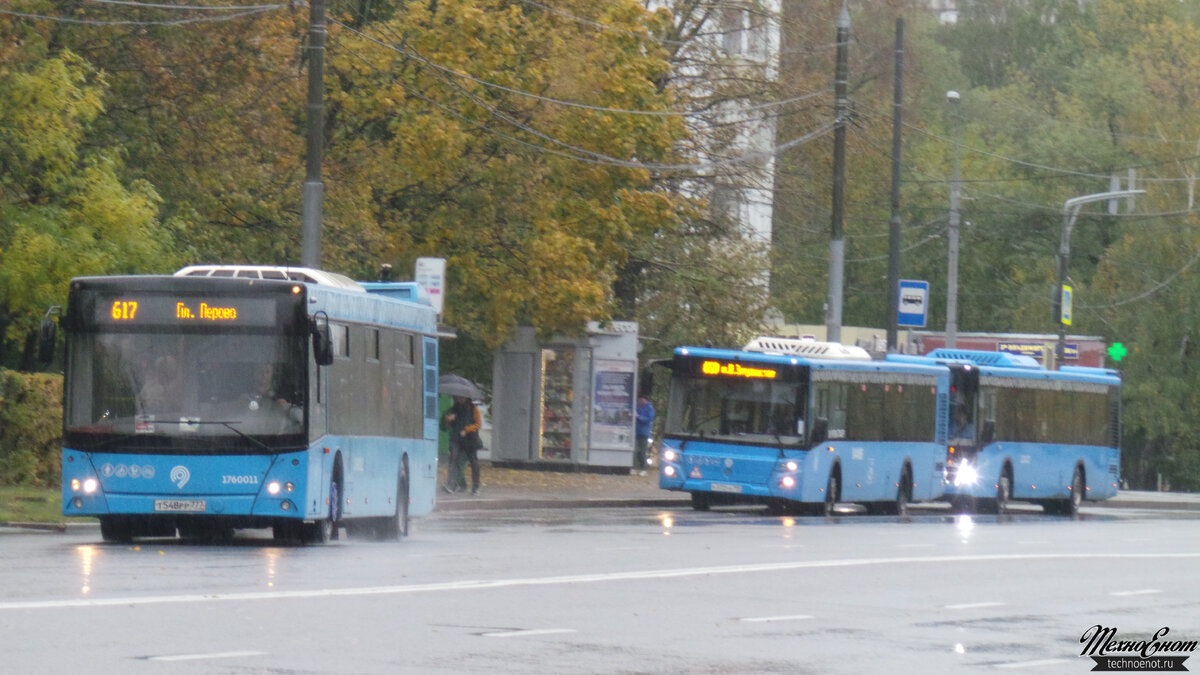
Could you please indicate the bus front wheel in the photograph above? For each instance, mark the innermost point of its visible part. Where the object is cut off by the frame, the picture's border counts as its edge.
(831, 496)
(1003, 493)
(116, 529)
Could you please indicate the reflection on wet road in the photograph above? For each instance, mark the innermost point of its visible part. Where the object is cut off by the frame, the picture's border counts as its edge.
(612, 590)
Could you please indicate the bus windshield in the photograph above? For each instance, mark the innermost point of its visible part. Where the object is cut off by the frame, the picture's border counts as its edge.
(753, 411)
(176, 391)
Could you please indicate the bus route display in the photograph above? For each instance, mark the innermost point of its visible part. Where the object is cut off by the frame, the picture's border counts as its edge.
(151, 309)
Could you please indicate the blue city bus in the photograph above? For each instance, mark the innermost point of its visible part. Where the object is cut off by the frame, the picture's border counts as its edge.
(222, 398)
(1019, 431)
(800, 426)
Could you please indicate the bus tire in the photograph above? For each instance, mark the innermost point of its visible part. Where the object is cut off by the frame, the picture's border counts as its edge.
(904, 492)
(1078, 488)
(1070, 505)
(324, 530)
(116, 529)
(395, 526)
(701, 501)
(831, 495)
(1003, 491)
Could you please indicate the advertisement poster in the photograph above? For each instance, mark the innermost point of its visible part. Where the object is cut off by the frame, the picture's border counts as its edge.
(612, 405)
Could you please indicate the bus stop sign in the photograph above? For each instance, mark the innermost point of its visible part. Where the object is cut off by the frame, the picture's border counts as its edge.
(914, 303)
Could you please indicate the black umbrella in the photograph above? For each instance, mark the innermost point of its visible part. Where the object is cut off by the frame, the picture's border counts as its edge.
(457, 385)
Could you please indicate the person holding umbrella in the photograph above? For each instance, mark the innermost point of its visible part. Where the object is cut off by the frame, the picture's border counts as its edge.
(463, 422)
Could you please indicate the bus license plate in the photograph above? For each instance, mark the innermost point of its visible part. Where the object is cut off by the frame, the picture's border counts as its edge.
(180, 505)
(722, 487)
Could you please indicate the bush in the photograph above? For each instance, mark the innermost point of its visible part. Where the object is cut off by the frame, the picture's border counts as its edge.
(30, 428)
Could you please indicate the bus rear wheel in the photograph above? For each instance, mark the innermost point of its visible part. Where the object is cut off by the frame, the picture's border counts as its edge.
(395, 528)
(1070, 505)
(904, 493)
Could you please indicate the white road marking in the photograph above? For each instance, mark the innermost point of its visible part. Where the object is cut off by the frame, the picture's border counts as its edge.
(673, 573)
(528, 633)
(198, 657)
(1034, 664)
(1144, 591)
(975, 605)
(768, 619)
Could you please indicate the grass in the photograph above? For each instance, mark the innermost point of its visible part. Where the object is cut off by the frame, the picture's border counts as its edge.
(32, 505)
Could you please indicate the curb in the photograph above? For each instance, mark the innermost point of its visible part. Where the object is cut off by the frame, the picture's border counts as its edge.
(485, 504)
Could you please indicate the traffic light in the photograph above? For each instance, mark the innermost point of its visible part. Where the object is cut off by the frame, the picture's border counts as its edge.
(1117, 351)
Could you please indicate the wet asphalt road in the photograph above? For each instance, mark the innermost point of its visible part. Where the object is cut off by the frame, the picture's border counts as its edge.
(608, 591)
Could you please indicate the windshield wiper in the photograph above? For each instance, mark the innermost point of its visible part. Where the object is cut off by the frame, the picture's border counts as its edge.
(229, 425)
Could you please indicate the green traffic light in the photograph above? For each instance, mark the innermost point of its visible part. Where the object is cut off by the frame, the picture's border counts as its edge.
(1117, 351)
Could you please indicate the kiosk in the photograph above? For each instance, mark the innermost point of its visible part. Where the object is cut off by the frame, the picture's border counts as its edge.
(568, 402)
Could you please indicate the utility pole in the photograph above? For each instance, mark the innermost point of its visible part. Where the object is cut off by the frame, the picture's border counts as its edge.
(952, 255)
(314, 189)
(893, 280)
(837, 243)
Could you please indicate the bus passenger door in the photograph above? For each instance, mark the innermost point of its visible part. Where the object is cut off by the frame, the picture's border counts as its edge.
(318, 401)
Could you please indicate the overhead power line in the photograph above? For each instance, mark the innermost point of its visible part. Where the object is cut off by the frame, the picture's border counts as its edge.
(577, 153)
(557, 101)
(130, 22)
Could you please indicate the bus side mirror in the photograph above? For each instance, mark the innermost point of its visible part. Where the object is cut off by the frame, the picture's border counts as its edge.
(322, 343)
(47, 337)
(820, 430)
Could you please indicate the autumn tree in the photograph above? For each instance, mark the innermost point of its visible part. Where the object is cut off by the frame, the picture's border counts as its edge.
(511, 142)
(67, 207)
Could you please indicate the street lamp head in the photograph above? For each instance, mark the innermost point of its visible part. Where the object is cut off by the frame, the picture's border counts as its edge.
(952, 96)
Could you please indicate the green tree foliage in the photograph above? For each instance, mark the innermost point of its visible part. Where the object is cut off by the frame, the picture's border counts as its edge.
(211, 112)
(30, 428)
(532, 202)
(67, 207)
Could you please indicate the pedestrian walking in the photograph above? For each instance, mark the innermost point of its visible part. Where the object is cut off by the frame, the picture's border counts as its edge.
(463, 422)
(642, 431)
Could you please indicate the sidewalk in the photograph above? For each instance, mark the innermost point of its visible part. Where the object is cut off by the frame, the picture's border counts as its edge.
(507, 488)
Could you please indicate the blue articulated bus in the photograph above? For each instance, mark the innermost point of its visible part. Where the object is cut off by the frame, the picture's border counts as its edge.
(1021, 432)
(801, 426)
(224, 398)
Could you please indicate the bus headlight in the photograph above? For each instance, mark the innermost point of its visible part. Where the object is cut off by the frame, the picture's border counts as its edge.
(787, 482)
(966, 475)
(791, 465)
(273, 488)
(669, 455)
(669, 471)
(90, 485)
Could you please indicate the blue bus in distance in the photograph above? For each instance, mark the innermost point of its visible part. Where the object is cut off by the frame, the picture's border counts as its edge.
(251, 397)
(800, 426)
(1022, 432)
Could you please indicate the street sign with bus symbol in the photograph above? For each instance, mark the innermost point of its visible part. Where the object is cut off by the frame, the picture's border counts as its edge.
(914, 303)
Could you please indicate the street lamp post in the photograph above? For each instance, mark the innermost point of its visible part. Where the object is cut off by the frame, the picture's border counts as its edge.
(1070, 212)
